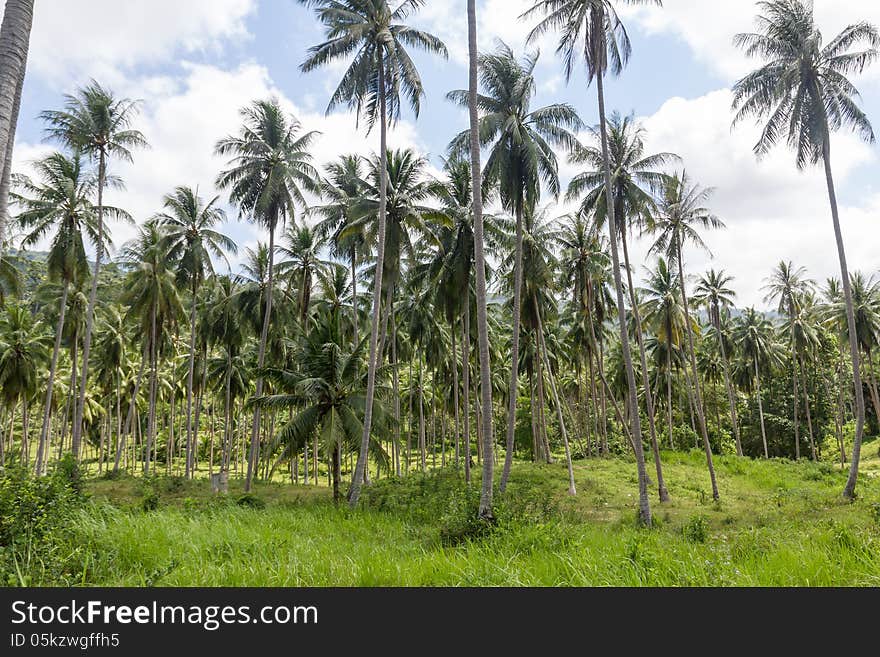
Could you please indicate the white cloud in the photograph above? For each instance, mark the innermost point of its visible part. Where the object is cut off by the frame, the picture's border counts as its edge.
(772, 211)
(103, 38)
(182, 120)
(708, 27)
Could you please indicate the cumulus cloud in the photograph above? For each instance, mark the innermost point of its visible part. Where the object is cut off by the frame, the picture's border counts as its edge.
(104, 38)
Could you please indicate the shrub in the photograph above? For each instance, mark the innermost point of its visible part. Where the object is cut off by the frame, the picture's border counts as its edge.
(34, 517)
(251, 501)
(696, 529)
(149, 493)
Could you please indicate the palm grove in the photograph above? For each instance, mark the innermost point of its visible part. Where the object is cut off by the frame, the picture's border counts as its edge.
(389, 324)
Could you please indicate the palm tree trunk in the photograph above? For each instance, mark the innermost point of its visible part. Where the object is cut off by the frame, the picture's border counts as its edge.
(794, 385)
(132, 410)
(872, 385)
(455, 401)
(465, 384)
(485, 509)
(90, 312)
(644, 504)
(698, 395)
(189, 387)
(355, 319)
(395, 448)
(254, 452)
(849, 490)
(336, 473)
(200, 399)
(47, 409)
(539, 399)
(761, 408)
(15, 32)
(813, 454)
(646, 383)
(360, 469)
(731, 398)
(422, 446)
(572, 490)
(669, 394)
(514, 351)
(151, 414)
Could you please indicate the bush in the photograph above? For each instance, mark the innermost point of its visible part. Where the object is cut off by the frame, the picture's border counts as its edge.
(68, 471)
(696, 529)
(251, 501)
(149, 493)
(34, 522)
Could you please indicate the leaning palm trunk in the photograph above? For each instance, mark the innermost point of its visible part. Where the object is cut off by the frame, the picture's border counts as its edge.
(514, 351)
(485, 509)
(188, 470)
(15, 33)
(542, 346)
(633, 399)
(361, 466)
(646, 382)
(254, 452)
(47, 409)
(698, 395)
(90, 312)
(849, 490)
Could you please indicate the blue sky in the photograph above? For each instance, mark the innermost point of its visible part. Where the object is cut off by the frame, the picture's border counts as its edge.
(194, 63)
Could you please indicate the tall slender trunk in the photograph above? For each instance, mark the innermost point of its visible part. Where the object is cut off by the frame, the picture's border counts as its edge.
(132, 411)
(90, 312)
(227, 427)
(698, 394)
(336, 473)
(151, 411)
(361, 466)
(15, 32)
(455, 401)
(807, 408)
(355, 319)
(646, 383)
(731, 398)
(422, 445)
(644, 504)
(485, 509)
(794, 403)
(514, 351)
(849, 490)
(761, 408)
(47, 409)
(395, 448)
(189, 387)
(200, 399)
(254, 452)
(572, 490)
(465, 385)
(540, 394)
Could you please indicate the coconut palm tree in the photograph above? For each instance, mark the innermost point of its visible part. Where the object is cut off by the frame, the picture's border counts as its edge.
(380, 70)
(786, 286)
(342, 190)
(754, 335)
(15, 33)
(803, 90)
(190, 240)
(269, 171)
(521, 159)
(60, 204)
(152, 297)
(592, 30)
(327, 394)
(23, 353)
(98, 125)
(712, 291)
(301, 265)
(635, 178)
(680, 216)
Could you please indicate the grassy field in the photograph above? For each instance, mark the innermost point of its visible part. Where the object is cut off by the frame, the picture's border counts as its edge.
(778, 523)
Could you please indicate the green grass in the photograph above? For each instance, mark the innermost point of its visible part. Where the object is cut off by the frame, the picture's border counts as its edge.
(778, 523)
